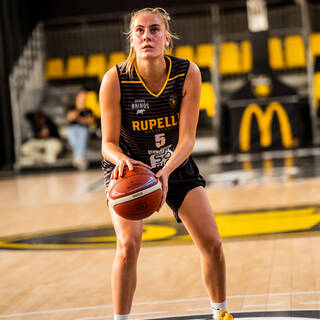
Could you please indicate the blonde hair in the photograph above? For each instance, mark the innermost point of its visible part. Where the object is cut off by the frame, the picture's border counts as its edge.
(129, 63)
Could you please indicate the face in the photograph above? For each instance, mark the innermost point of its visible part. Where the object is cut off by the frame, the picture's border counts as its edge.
(149, 35)
(81, 100)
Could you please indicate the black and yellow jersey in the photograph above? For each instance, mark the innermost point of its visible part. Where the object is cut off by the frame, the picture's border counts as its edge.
(150, 121)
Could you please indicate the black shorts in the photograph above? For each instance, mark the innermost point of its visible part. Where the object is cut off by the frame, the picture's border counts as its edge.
(185, 178)
(181, 181)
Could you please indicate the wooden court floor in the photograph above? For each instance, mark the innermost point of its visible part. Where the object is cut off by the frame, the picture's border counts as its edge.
(276, 271)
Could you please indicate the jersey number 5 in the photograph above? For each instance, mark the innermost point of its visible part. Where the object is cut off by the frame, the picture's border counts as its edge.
(160, 140)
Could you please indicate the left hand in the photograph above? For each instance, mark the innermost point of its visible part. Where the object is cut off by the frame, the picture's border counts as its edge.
(163, 176)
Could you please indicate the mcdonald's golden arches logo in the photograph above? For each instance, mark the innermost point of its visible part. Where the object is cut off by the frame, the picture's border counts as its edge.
(264, 120)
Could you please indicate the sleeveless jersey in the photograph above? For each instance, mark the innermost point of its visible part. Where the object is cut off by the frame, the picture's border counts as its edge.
(150, 122)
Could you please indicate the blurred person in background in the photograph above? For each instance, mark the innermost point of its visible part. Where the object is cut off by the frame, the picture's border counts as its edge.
(149, 115)
(45, 145)
(80, 119)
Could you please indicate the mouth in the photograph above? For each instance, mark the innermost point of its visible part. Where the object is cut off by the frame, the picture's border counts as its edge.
(148, 46)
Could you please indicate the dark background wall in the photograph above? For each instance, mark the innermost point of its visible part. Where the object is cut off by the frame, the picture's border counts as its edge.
(17, 20)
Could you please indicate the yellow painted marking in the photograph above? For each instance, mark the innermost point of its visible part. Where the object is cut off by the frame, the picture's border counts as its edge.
(150, 232)
(243, 225)
(53, 245)
(267, 222)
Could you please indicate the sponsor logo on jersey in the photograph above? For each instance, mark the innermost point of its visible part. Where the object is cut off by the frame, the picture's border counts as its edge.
(158, 158)
(140, 105)
(156, 123)
(173, 101)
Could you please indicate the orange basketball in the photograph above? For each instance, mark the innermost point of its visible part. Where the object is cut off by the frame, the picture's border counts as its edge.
(136, 195)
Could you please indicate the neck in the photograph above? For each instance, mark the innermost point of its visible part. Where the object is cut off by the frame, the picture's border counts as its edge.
(152, 70)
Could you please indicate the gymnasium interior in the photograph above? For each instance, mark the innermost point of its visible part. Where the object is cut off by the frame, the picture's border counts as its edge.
(257, 146)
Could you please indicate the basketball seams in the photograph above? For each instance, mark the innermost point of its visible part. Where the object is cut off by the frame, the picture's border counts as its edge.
(124, 179)
(122, 200)
(137, 197)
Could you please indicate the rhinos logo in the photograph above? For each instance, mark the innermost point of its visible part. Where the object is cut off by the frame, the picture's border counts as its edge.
(140, 106)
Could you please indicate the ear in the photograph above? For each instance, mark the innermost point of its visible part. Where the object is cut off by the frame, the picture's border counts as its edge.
(167, 43)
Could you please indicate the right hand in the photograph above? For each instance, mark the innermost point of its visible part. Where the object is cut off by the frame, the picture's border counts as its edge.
(122, 163)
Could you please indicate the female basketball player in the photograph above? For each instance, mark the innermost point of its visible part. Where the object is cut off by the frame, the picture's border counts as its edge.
(149, 114)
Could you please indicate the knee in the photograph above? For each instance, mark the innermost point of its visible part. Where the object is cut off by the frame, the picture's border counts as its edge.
(128, 250)
(213, 249)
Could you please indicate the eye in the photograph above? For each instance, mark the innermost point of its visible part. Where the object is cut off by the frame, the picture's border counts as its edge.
(154, 29)
(139, 30)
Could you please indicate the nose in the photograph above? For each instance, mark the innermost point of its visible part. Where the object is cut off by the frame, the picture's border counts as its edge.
(146, 35)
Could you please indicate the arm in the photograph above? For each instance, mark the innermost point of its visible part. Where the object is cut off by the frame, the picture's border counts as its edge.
(189, 114)
(109, 97)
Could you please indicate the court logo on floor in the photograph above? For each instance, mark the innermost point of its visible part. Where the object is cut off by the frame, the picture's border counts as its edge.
(233, 226)
(261, 315)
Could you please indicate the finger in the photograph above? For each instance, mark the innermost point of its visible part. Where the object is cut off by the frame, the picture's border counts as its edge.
(159, 174)
(121, 166)
(115, 175)
(163, 200)
(129, 164)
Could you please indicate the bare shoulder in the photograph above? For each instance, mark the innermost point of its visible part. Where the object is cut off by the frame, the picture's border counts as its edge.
(193, 77)
(110, 86)
(110, 78)
(193, 70)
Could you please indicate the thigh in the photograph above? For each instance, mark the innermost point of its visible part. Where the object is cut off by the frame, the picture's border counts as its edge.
(126, 230)
(198, 218)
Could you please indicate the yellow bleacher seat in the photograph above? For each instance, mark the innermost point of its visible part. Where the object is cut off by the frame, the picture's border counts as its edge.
(294, 51)
(92, 103)
(54, 68)
(316, 88)
(185, 52)
(204, 55)
(246, 56)
(315, 44)
(229, 58)
(75, 67)
(207, 99)
(115, 58)
(276, 57)
(97, 65)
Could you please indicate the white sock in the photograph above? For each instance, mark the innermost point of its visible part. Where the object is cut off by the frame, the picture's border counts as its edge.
(121, 316)
(217, 307)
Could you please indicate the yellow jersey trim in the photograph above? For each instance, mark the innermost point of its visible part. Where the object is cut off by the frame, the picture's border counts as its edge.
(129, 81)
(165, 83)
(178, 75)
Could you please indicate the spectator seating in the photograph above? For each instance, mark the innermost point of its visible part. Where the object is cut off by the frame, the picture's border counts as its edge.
(204, 55)
(295, 54)
(75, 67)
(54, 69)
(92, 102)
(315, 44)
(115, 58)
(246, 56)
(97, 65)
(185, 52)
(207, 99)
(229, 58)
(276, 55)
(235, 57)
